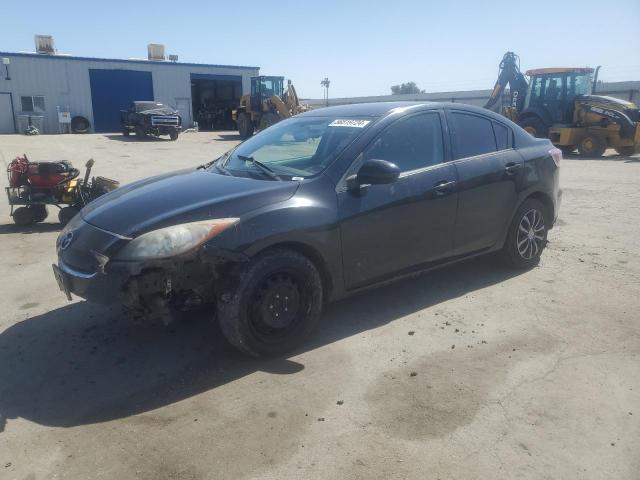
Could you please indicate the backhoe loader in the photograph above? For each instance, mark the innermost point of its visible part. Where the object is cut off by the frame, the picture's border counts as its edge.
(561, 104)
(267, 104)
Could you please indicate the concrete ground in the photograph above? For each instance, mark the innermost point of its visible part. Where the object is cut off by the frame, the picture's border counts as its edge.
(473, 372)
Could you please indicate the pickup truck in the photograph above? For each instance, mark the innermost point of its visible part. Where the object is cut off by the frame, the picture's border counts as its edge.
(150, 118)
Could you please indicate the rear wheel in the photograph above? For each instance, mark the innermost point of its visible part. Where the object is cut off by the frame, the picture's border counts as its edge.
(626, 151)
(592, 146)
(527, 235)
(268, 119)
(275, 302)
(140, 133)
(39, 213)
(125, 132)
(66, 214)
(535, 127)
(23, 216)
(245, 126)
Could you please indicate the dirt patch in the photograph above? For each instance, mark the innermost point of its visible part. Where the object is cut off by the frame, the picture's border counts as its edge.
(441, 392)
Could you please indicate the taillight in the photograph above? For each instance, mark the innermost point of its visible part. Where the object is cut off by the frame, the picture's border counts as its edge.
(556, 154)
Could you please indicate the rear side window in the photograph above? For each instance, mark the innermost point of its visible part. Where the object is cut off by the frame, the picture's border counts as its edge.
(503, 134)
(473, 135)
(411, 143)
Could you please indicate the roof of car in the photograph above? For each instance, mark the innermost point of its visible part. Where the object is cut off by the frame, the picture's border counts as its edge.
(380, 109)
(373, 109)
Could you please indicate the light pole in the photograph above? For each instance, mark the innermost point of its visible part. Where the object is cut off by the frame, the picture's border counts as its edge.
(325, 83)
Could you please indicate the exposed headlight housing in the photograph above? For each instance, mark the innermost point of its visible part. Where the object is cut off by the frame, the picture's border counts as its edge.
(175, 240)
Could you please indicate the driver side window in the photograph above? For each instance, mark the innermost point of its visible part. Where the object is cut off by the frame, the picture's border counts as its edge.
(411, 143)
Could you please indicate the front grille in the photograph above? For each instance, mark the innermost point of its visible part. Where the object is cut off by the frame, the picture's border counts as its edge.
(165, 120)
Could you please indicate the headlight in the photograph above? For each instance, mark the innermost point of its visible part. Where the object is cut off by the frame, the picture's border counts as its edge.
(175, 240)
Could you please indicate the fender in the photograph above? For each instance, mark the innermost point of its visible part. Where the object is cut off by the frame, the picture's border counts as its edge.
(627, 127)
(521, 198)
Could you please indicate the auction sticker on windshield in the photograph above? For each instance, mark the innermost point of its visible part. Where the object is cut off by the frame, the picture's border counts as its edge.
(350, 123)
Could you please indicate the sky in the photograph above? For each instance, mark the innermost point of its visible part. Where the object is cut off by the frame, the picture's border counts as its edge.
(363, 47)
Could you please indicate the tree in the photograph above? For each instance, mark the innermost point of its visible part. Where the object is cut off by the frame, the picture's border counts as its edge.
(409, 87)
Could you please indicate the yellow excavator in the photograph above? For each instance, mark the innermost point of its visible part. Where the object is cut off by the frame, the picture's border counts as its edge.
(561, 104)
(267, 104)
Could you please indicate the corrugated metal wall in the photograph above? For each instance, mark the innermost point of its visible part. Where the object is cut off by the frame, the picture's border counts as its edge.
(65, 81)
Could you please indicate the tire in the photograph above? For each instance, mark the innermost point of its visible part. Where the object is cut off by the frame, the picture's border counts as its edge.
(246, 313)
(40, 213)
(522, 249)
(535, 127)
(125, 133)
(140, 133)
(245, 126)
(173, 135)
(23, 216)
(592, 146)
(626, 151)
(268, 119)
(567, 150)
(66, 214)
(80, 124)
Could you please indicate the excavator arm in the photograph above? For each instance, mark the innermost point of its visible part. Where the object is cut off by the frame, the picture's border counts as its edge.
(509, 74)
(289, 104)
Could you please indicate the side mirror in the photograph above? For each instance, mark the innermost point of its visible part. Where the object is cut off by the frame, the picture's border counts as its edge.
(377, 172)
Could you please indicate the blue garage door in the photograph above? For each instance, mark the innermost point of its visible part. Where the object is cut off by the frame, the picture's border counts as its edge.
(114, 90)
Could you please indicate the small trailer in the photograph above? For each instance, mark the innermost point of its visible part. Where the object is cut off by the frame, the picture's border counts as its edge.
(34, 185)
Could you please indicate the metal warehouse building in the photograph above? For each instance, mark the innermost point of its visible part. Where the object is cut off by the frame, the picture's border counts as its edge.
(43, 85)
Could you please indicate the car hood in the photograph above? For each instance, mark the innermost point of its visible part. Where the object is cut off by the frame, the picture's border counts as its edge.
(180, 197)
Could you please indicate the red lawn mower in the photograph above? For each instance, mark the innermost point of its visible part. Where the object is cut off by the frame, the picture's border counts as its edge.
(34, 185)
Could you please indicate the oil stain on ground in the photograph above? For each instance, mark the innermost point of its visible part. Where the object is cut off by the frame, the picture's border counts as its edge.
(447, 388)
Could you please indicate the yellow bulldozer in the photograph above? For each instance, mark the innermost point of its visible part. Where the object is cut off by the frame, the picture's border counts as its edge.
(267, 104)
(561, 104)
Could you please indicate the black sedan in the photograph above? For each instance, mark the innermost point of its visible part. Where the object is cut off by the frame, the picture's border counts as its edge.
(312, 209)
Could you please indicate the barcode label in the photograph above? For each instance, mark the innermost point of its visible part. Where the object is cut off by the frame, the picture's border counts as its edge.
(350, 123)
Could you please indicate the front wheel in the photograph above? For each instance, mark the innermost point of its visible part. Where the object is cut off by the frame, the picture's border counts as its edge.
(245, 125)
(527, 236)
(173, 135)
(140, 133)
(268, 119)
(273, 303)
(24, 216)
(125, 132)
(66, 214)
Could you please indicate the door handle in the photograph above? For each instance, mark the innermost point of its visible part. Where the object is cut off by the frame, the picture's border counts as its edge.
(444, 187)
(512, 167)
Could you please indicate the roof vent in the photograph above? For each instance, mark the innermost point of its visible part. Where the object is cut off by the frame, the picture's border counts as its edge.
(44, 45)
(155, 51)
(173, 58)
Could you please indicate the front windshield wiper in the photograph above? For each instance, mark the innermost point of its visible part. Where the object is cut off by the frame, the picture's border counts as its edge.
(218, 163)
(270, 173)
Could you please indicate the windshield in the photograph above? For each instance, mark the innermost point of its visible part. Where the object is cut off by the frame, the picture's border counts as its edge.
(152, 106)
(295, 148)
(580, 84)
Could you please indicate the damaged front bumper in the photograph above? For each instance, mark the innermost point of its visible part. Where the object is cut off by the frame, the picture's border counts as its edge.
(180, 283)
